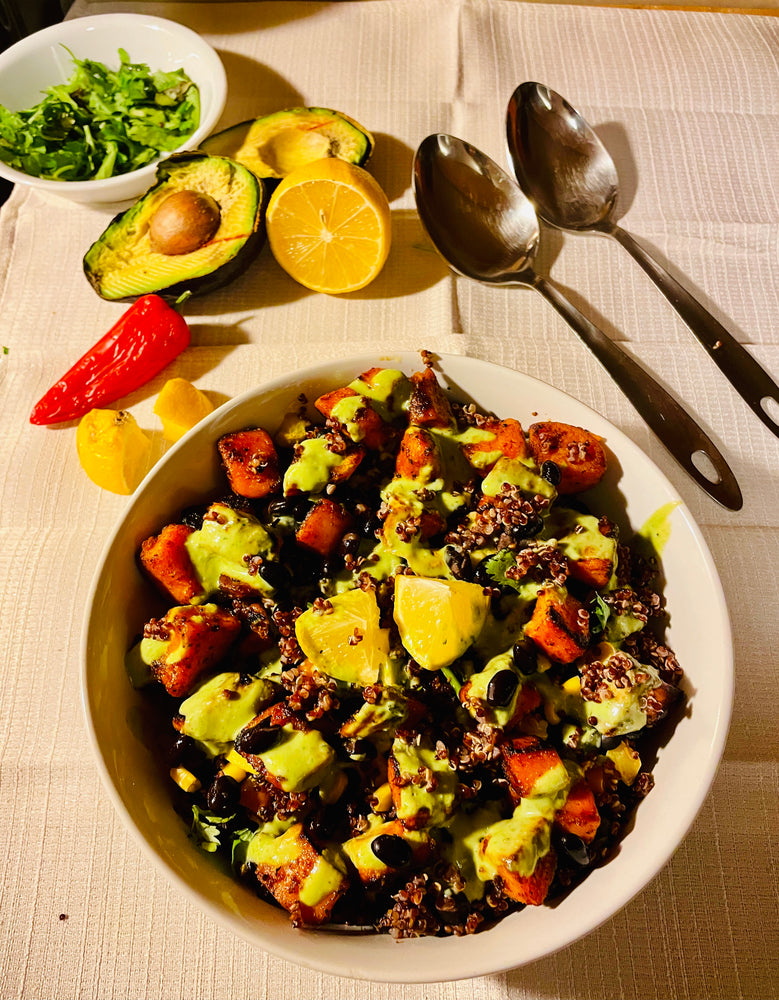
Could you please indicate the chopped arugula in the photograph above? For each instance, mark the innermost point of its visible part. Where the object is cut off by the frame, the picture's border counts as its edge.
(101, 123)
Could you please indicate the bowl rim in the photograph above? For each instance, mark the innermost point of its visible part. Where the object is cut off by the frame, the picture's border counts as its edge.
(217, 80)
(397, 971)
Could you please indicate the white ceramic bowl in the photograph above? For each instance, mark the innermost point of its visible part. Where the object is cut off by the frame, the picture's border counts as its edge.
(39, 61)
(699, 632)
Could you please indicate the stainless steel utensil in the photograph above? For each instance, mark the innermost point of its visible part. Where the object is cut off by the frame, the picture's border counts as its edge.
(486, 229)
(567, 173)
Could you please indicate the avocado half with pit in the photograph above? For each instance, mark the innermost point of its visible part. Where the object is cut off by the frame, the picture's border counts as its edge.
(276, 144)
(197, 228)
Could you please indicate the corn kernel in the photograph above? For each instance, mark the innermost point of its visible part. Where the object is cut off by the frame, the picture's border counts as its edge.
(234, 771)
(573, 685)
(381, 800)
(185, 779)
(233, 757)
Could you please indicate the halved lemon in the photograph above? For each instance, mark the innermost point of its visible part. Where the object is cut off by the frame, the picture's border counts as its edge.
(328, 226)
(113, 450)
(438, 619)
(345, 640)
(180, 405)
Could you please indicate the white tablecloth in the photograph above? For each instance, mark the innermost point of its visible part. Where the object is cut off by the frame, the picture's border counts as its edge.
(687, 102)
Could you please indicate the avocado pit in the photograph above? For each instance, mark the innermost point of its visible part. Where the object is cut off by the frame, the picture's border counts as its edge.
(184, 222)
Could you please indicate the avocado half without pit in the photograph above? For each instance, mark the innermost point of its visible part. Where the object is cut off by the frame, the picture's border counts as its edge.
(276, 144)
(196, 229)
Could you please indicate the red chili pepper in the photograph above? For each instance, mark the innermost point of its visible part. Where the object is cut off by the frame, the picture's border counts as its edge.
(139, 345)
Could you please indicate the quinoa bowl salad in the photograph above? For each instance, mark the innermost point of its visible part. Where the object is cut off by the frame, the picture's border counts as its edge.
(402, 669)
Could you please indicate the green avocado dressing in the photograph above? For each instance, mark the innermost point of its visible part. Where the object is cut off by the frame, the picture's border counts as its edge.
(299, 760)
(475, 699)
(223, 546)
(389, 392)
(438, 800)
(310, 470)
(325, 877)
(222, 706)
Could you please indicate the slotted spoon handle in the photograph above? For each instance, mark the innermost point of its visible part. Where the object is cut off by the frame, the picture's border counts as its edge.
(672, 424)
(750, 380)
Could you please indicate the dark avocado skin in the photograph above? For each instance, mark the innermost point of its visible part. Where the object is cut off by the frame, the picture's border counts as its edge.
(220, 276)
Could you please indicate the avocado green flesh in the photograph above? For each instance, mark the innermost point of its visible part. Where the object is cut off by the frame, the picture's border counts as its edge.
(219, 548)
(121, 263)
(276, 144)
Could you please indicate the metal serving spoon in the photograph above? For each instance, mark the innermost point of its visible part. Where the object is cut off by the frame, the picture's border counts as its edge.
(486, 229)
(565, 170)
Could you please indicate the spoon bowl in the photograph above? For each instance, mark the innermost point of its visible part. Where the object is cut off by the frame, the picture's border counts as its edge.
(487, 230)
(457, 186)
(571, 179)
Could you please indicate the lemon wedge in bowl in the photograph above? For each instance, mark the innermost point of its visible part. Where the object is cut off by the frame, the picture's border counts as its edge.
(438, 619)
(343, 637)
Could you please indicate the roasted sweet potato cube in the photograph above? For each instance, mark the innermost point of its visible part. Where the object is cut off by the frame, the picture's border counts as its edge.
(531, 766)
(166, 559)
(595, 572)
(507, 440)
(363, 424)
(559, 625)
(577, 452)
(324, 526)
(418, 456)
(329, 400)
(579, 815)
(416, 846)
(428, 405)
(251, 463)
(193, 639)
(530, 889)
(284, 866)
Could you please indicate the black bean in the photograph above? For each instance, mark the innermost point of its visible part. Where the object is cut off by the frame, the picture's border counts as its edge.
(459, 562)
(256, 739)
(183, 752)
(274, 574)
(501, 688)
(361, 749)
(349, 544)
(223, 794)
(306, 567)
(530, 529)
(193, 516)
(551, 472)
(525, 658)
(392, 850)
(370, 526)
(575, 848)
(324, 822)
(294, 506)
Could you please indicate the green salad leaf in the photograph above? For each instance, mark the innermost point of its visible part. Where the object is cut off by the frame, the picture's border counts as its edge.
(103, 122)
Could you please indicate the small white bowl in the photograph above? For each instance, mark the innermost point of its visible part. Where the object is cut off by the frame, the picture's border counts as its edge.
(699, 632)
(40, 61)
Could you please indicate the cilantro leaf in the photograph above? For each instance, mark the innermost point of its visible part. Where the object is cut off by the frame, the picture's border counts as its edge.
(206, 829)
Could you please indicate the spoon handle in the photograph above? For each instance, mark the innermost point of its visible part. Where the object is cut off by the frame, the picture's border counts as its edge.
(750, 380)
(675, 428)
